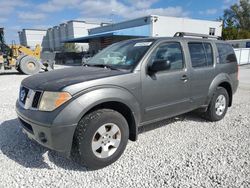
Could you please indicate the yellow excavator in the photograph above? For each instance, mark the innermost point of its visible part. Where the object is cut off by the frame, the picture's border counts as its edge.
(22, 58)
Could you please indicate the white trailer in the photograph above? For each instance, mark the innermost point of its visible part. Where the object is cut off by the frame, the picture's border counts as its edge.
(163, 26)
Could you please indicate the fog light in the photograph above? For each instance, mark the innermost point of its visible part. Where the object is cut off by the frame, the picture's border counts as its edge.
(42, 137)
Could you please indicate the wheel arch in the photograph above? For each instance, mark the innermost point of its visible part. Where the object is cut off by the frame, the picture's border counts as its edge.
(115, 98)
(122, 109)
(221, 80)
(228, 87)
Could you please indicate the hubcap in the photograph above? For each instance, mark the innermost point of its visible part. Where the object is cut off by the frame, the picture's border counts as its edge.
(106, 140)
(220, 105)
(31, 65)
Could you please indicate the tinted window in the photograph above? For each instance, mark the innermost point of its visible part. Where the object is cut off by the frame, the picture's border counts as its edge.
(247, 44)
(226, 53)
(201, 54)
(209, 53)
(169, 52)
(197, 53)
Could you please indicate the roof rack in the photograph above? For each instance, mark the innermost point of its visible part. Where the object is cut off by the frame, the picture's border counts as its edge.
(183, 34)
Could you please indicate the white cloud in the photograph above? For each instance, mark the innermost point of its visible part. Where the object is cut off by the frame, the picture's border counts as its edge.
(106, 8)
(209, 12)
(142, 4)
(109, 7)
(169, 11)
(31, 16)
(58, 5)
(8, 6)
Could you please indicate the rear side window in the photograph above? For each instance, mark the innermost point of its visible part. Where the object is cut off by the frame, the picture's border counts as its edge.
(209, 53)
(201, 54)
(226, 53)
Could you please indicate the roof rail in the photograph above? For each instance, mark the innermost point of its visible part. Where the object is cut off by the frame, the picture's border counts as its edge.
(183, 34)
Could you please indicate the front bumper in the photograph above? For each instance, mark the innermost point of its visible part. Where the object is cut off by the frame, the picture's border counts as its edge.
(55, 137)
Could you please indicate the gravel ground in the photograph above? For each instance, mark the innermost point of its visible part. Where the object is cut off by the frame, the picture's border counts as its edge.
(185, 151)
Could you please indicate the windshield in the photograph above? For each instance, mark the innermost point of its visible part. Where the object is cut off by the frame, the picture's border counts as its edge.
(122, 55)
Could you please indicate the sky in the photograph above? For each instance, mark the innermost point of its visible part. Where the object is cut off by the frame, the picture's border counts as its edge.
(16, 15)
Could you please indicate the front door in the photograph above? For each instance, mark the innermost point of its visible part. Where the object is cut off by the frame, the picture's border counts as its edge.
(166, 92)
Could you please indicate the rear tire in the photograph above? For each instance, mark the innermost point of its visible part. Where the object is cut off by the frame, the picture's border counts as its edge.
(218, 105)
(29, 65)
(100, 138)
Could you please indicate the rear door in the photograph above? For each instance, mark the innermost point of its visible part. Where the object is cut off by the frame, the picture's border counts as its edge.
(202, 58)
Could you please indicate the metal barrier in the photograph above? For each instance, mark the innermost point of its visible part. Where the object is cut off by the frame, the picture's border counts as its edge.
(243, 55)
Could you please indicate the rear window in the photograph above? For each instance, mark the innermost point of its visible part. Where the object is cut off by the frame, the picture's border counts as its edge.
(226, 53)
(201, 54)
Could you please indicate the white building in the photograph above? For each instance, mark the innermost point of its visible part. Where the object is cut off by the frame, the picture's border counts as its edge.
(168, 26)
(50, 36)
(76, 29)
(148, 26)
(32, 37)
(52, 39)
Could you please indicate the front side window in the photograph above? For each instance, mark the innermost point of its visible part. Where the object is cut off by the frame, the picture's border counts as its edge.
(226, 53)
(169, 52)
(122, 55)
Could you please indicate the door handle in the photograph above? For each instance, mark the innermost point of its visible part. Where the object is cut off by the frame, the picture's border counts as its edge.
(184, 78)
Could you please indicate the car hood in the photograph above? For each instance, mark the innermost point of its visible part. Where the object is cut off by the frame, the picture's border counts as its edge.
(56, 80)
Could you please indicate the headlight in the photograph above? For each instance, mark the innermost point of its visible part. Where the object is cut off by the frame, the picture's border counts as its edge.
(52, 100)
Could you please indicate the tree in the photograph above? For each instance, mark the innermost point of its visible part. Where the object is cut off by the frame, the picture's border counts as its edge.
(236, 21)
(70, 47)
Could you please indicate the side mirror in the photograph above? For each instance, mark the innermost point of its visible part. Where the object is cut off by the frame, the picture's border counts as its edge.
(159, 65)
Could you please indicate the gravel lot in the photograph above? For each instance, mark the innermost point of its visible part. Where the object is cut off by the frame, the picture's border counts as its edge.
(185, 151)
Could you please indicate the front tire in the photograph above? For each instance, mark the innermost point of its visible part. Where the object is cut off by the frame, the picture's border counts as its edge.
(101, 137)
(218, 105)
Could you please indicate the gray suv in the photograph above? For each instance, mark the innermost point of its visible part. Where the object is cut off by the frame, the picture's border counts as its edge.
(93, 110)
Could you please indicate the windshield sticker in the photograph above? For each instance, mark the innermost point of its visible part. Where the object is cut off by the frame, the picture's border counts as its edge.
(143, 44)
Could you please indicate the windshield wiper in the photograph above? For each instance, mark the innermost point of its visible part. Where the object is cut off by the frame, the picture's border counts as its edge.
(101, 65)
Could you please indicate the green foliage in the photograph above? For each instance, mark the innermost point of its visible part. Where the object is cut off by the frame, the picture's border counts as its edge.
(70, 47)
(230, 33)
(236, 21)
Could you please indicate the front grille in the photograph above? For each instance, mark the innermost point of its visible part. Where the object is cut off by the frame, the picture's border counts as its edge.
(26, 126)
(29, 98)
(23, 94)
(36, 99)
